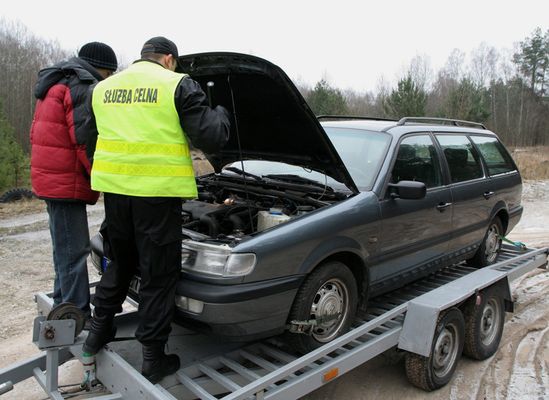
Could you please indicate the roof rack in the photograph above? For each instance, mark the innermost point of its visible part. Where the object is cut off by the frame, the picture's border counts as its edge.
(442, 121)
(319, 117)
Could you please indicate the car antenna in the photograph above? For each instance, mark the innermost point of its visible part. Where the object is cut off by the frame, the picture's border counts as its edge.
(240, 152)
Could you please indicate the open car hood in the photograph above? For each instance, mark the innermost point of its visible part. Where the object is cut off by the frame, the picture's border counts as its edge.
(269, 116)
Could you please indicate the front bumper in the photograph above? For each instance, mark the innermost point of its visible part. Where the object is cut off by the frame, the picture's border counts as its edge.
(239, 312)
(244, 311)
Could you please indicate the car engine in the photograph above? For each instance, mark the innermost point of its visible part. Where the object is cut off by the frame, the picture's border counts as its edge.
(229, 207)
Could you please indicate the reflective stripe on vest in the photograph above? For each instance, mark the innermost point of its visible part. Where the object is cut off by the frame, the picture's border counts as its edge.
(142, 169)
(141, 149)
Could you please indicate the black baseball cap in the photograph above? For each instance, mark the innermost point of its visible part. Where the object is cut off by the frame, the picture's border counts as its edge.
(160, 45)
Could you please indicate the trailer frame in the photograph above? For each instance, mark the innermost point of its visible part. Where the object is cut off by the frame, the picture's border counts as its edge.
(404, 319)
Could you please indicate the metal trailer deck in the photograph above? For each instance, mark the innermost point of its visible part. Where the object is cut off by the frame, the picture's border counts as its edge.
(212, 369)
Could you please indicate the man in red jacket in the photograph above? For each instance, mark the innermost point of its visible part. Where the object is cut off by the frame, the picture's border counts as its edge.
(60, 170)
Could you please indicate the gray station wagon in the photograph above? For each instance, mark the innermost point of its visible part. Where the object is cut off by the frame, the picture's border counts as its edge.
(302, 221)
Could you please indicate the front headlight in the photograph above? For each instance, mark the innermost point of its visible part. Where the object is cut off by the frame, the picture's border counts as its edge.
(217, 260)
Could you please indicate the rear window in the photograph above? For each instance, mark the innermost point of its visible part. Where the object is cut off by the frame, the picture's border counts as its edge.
(497, 159)
(462, 158)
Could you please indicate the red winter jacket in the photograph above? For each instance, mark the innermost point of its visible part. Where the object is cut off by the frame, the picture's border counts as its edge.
(59, 166)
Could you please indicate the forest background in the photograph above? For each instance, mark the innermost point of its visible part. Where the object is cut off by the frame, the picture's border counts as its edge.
(505, 89)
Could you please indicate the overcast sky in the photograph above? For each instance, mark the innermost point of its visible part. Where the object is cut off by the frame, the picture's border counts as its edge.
(351, 43)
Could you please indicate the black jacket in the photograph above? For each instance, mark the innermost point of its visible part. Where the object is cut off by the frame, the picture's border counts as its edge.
(206, 128)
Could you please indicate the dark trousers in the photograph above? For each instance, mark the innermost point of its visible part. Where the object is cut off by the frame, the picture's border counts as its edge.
(144, 238)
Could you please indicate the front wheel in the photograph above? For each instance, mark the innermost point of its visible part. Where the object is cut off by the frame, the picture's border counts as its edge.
(325, 305)
(490, 246)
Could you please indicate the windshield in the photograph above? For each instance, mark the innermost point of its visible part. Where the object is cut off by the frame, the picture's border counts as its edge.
(361, 151)
(273, 168)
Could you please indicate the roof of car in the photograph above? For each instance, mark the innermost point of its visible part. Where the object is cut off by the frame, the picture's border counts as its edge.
(373, 125)
(396, 129)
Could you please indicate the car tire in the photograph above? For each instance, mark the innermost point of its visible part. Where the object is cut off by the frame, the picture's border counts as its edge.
(490, 247)
(484, 321)
(332, 286)
(433, 372)
(16, 194)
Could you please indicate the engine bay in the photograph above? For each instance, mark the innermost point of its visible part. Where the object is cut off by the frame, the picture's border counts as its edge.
(230, 207)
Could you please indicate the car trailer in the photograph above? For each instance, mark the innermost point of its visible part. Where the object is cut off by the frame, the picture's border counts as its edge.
(432, 320)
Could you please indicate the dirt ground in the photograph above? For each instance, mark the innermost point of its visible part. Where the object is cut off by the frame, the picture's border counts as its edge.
(520, 368)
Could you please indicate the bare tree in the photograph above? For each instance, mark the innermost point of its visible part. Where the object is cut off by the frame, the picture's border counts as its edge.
(421, 72)
(484, 71)
(447, 79)
(361, 103)
(453, 69)
(22, 55)
(484, 64)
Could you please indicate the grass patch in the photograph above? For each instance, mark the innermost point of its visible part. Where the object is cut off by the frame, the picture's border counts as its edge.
(22, 207)
(533, 162)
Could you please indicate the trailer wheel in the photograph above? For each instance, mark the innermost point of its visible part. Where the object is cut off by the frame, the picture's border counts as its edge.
(329, 290)
(435, 371)
(484, 321)
(490, 246)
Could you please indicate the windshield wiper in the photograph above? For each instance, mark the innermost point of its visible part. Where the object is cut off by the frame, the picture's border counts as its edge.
(297, 179)
(243, 173)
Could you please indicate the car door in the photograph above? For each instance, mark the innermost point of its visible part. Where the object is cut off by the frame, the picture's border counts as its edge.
(414, 232)
(473, 200)
(504, 182)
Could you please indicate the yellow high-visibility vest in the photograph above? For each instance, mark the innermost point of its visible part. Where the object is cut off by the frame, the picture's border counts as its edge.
(141, 148)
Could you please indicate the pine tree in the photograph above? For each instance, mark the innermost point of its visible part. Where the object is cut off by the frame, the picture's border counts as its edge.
(468, 101)
(325, 100)
(14, 163)
(408, 100)
(533, 60)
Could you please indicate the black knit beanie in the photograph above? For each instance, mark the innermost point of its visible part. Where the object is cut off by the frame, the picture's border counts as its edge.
(99, 55)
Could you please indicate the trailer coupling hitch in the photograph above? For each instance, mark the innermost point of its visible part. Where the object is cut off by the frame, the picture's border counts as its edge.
(306, 327)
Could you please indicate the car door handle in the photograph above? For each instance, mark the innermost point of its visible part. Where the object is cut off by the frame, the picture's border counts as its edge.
(487, 195)
(443, 206)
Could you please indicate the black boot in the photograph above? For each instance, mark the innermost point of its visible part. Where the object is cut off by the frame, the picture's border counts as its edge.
(156, 364)
(102, 331)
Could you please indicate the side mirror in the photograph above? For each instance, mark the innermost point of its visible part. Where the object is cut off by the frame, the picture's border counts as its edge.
(410, 190)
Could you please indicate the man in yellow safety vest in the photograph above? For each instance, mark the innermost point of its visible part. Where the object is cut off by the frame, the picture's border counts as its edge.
(141, 119)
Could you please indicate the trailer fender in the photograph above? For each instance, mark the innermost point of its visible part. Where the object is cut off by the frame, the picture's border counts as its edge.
(422, 314)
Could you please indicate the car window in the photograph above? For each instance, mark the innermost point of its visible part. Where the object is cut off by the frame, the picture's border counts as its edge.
(462, 158)
(495, 156)
(361, 151)
(417, 161)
